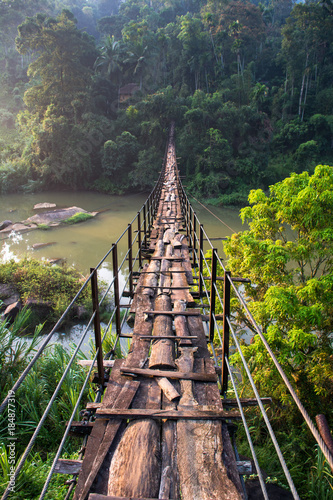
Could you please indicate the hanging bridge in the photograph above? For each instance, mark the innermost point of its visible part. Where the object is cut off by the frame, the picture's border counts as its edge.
(161, 426)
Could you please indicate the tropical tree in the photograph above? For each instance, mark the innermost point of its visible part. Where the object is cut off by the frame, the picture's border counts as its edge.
(287, 254)
(109, 62)
(63, 61)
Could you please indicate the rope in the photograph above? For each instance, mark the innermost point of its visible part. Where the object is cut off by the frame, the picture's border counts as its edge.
(216, 217)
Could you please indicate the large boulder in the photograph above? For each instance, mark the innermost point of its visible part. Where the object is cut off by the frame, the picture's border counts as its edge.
(12, 311)
(8, 295)
(55, 216)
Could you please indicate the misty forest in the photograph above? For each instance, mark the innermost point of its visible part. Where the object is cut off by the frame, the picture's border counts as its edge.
(88, 90)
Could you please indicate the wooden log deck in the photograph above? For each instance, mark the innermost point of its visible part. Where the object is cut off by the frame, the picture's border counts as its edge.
(161, 431)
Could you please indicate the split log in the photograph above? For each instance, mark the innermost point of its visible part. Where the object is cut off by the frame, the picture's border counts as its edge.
(180, 323)
(168, 389)
(162, 352)
(169, 486)
(201, 469)
(135, 467)
(179, 279)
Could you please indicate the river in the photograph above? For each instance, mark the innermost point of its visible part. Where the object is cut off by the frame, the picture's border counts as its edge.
(83, 245)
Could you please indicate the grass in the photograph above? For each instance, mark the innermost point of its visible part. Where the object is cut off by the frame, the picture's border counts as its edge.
(79, 217)
(31, 401)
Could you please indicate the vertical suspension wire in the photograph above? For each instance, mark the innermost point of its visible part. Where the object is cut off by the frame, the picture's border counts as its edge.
(248, 435)
(264, 414)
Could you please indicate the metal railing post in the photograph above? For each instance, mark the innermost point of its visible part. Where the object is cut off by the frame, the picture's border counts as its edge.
(97, 325)
(200, 258)
(139, 239)
(116, 288)
(194, 246)
(144, 225)
(149, 214)
(226, 330)
(212, 295)
(130, 259)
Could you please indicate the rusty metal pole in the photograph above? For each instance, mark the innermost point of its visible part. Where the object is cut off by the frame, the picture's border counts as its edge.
(226, 330)
(187, 223)
(97, 325)
(212, 294)
(130, 258)
(116, 288)
(200, 258)
(144, 225)
(194, 243)
(139, 239)
(149, 210)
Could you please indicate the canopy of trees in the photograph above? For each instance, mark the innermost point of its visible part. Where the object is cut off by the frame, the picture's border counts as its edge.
(249, 86)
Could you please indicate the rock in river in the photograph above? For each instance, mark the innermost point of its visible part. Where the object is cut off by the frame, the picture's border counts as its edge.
(5, 224)
(39, 206)
(36, 246)
(55, 215)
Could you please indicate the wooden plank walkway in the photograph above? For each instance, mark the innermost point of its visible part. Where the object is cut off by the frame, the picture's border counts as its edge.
(160, 431)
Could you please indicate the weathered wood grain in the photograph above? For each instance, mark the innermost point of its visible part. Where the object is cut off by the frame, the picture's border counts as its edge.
(176, 375)
(135, 467)
(189, 414)
(162, 352)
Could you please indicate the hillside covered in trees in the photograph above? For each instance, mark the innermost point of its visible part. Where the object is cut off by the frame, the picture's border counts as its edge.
(89, 87)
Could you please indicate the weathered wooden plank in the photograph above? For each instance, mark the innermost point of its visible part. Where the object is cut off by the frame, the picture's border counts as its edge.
(180, 323)
(162, 352)
(171, 337)
(145, 372)
(187, 262)
(179, 279)
(135, 467)
(105, 413)
(173, 313)
(138, 287)
(123, 400)
(64, 466)
(107, 363)
(200, 458)
(195, 327)
(199, 447)
(82, 428)
(96, 496)
(228, 457)
(114, 386)
(169, 485)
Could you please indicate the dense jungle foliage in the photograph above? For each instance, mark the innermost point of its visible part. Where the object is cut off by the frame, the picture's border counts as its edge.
(249, 85)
